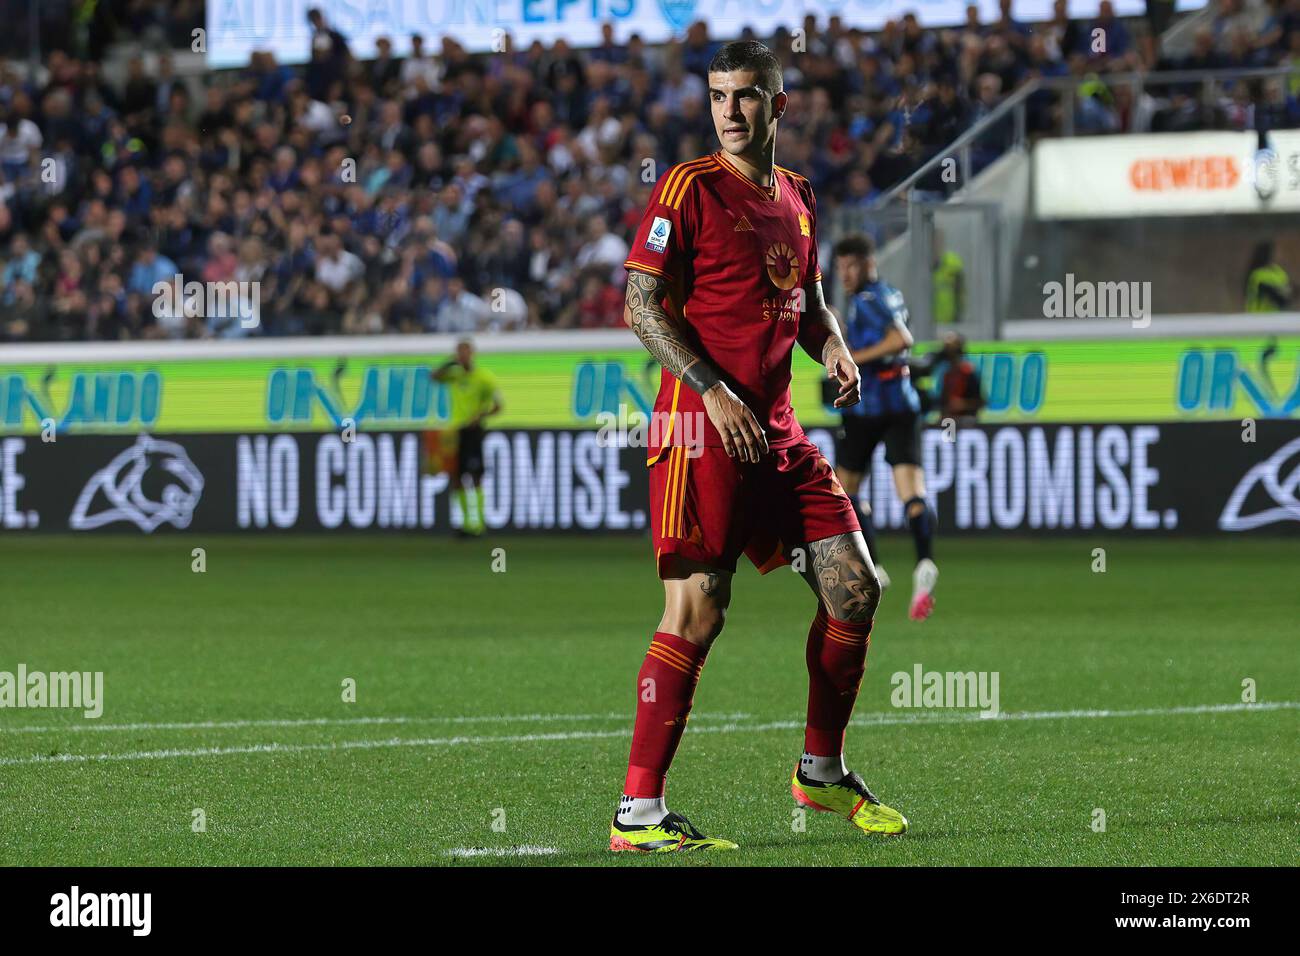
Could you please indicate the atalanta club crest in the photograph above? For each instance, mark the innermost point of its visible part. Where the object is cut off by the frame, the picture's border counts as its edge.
(150, 483)
(680, 14)
(1273, 482)
(1265, 173)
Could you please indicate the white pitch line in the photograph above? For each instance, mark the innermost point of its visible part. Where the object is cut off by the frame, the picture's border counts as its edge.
(884, 719)
(908, 716)
(304, 748)
(91, 725)
(939, 717)
(526, 850)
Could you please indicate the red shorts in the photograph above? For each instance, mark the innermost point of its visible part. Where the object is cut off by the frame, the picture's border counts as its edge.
(713, 508)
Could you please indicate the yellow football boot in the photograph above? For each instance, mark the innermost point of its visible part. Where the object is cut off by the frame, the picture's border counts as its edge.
(674, 833)
(850, 798)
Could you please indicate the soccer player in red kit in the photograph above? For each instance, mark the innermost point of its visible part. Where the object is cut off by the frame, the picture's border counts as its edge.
(723, 281)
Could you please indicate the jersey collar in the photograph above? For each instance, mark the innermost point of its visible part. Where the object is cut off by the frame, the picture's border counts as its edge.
(769, 195)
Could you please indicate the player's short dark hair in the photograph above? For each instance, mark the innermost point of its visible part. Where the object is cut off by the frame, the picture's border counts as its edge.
(749, 55)
(858, 244)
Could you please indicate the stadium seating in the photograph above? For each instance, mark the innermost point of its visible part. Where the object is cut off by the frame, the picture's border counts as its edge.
(458, 192)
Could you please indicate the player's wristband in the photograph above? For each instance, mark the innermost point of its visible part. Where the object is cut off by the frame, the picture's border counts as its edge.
(700, 376)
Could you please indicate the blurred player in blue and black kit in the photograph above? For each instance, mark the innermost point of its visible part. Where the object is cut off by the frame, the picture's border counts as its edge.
(890, 410)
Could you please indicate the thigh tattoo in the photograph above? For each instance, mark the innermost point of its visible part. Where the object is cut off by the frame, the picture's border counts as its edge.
(843, 577)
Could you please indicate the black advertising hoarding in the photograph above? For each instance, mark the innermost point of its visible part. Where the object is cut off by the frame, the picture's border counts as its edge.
(264, 483)
(1192, 478)
(1172, 478)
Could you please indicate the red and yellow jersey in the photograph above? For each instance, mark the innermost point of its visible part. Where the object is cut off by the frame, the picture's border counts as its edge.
(739, 257)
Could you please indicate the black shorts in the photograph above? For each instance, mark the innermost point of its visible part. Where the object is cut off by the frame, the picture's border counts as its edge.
(469, 451)
(857, 438)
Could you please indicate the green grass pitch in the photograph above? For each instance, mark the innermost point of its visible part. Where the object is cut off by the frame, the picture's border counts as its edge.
(493, 709)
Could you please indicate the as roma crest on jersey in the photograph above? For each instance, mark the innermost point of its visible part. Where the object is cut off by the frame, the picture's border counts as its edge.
(804, 228)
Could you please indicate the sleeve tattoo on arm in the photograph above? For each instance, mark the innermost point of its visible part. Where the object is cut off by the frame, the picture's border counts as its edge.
(819, 329)
(661, 335)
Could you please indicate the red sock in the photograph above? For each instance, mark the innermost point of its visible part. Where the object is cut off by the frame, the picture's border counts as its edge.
(665, 688)
(837, 658)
